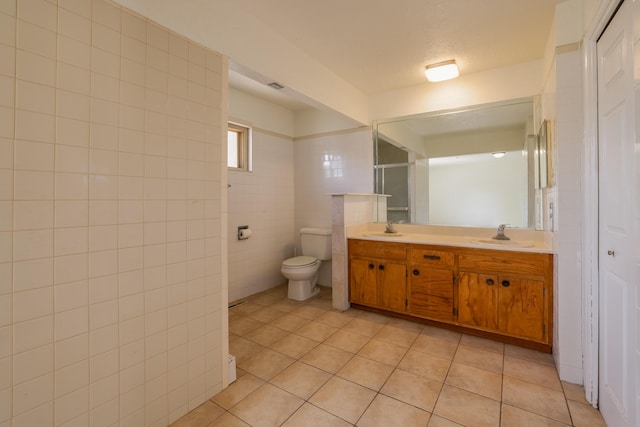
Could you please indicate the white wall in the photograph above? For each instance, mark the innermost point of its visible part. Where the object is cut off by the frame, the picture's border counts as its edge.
(262, 199)
(112, 200)
(325, 165)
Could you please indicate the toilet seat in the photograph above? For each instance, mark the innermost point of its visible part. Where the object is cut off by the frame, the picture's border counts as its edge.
(299, 261)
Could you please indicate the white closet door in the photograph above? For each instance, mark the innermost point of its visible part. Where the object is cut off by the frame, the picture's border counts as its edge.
(618, 288)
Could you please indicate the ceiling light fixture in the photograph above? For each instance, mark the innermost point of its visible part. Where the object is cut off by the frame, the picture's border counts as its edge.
(441, 71)
(498, 154)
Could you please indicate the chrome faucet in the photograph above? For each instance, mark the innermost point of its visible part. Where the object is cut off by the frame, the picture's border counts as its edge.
(389, 228)
(500, 235)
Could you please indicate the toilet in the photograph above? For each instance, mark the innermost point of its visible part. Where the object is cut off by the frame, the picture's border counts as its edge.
(302, 271)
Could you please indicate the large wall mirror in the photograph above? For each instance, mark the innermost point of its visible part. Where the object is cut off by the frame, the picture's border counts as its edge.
(474, 166)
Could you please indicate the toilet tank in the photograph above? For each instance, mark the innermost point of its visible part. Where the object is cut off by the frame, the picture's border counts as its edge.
(316, 242)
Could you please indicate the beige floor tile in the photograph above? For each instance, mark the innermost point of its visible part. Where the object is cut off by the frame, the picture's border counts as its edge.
(294, 345)
(482, 343)
(308, 312)
(365, 372)
(238, 390)
(483, 359)
(327, 358)
(267, 406)
(312, 416)
(528, 354)
(265, 314)
(585, 415)
(532, 372)
(363, 327)
(322, 303)
(385, 411)
(406, 324)
(286, 305)
(574, 392)
(442, 333)
(436, 346)
(475, 380)
(267, 364)
(437, 421)
(516, 417)
(347, 341)
(343, 399)
(245, 308)
(424, 364)
(316, 331)
(397, 336)
(334, 318)
(266, 335)
(243, 326)
(228, 420)
(289, 322)
(374, 317)
(201, 416)
(534, 398)
(270, 297)
(413, 389)
(467, 408)
(381, 351)
(301, 379)
(242, 349)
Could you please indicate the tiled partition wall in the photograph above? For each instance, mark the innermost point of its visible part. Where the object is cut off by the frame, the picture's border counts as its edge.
(112, 261)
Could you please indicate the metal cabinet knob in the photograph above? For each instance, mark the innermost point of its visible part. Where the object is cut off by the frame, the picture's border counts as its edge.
(490, 282)
(381, 267)
(506, 283)
(371, 266)
(416, 272)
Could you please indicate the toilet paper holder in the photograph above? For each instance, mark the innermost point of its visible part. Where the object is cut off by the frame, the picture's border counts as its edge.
(243, 232)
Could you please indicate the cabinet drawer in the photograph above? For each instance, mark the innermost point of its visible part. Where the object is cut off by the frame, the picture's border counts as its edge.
(504, 263)
(383, 250)
(431, 257)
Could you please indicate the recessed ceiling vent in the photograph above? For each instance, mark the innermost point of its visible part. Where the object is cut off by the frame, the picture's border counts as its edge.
(275, 85)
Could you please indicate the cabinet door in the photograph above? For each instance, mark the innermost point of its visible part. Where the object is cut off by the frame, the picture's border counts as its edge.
(521, 308)
(392, 286)
(431, 293)
(478, 300)
(363, 282)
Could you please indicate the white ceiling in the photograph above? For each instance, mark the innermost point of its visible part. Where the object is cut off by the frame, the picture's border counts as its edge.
(381, 45)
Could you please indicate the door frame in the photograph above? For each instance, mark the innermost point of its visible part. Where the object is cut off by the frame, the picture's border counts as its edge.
(590, 244)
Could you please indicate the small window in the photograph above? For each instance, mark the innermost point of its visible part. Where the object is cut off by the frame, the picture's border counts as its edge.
(238, 147)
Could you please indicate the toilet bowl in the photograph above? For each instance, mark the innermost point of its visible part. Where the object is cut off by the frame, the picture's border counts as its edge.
(302, 271)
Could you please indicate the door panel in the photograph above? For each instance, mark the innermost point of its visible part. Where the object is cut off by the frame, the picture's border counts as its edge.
(392, 286)
(478, 300)
(521, 308)
(617, 286)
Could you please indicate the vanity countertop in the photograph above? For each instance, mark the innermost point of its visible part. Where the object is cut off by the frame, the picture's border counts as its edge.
(521, 243)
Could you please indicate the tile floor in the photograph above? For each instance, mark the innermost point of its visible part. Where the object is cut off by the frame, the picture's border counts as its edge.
(304, 364)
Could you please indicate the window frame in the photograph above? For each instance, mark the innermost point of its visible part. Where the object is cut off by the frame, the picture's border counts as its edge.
(244, 146)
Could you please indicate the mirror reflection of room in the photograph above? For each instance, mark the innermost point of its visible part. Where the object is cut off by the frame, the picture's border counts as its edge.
(471, 167)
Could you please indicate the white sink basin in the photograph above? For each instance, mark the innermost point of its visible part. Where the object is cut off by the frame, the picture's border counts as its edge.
(511, 243)
(384, 234)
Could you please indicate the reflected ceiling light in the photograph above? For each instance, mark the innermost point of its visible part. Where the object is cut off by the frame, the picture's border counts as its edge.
(498, 154)
(441, 71)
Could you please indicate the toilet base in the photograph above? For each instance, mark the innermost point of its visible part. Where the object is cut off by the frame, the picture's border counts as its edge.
(301, 290)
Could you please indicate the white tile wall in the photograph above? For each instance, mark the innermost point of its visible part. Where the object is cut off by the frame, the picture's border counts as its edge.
(262, 199)
(330, 164)
(111, 207)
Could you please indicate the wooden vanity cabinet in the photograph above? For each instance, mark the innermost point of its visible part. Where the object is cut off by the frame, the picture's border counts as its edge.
(378, 274)
(431, 280)
(499, 294)
(506, 293)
